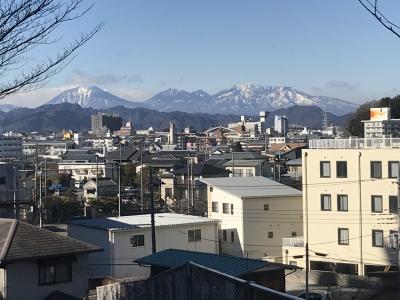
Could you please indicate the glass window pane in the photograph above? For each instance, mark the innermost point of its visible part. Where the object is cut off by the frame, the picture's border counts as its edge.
(393, 169)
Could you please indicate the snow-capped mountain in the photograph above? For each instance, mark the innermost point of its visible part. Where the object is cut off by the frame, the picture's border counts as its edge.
(91, 96)
(241, 99)
(251, 99)
(7, 107)
(180, 100)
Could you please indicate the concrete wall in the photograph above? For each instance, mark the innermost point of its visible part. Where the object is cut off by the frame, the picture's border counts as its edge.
(2, 282)
(99, 262)
(166, 237)
(23, 281)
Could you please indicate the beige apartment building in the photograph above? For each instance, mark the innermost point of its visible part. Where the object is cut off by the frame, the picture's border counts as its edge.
(350, 189)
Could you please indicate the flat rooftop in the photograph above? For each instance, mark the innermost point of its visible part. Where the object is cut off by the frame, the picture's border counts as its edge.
(251, 187)
(141, 221)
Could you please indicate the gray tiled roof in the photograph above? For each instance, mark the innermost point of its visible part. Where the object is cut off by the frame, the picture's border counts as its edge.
(244, 163)
(20, 240)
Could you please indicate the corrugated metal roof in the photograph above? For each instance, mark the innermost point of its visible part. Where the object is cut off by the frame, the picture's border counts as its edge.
(141, 221)
(250, 187)
(234, 266)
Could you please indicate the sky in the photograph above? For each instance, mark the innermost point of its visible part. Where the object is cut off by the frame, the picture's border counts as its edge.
(321, 47)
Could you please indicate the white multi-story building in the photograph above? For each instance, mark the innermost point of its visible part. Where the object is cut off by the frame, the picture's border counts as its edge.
(380, 124)
(281, 124)
(253, 214)
(350, 189)
(127, 238)
(51, 148)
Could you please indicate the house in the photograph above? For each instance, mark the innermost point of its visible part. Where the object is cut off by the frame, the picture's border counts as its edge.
(248, 167)
(127, 238)
(350, 206)
(103, 188)
(35, 263)
(268, 274)
(83, 165)
(255, 213)
(183, 185)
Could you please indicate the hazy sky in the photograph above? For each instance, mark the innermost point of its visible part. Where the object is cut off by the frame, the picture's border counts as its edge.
(322, 47)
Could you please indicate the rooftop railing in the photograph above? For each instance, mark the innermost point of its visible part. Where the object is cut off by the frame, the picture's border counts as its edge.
(355, 143)
(293, 242)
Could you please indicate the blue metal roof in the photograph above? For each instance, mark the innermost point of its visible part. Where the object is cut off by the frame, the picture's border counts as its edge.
(231, 265)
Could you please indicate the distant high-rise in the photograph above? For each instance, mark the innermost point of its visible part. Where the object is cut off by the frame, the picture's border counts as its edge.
(102, 122)
(281, 124)
(172, 134)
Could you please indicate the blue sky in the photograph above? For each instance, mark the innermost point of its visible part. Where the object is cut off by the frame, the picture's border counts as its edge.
(321, 47)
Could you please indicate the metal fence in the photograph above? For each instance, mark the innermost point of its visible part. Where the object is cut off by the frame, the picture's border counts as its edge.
(190, 282)
(355, 143)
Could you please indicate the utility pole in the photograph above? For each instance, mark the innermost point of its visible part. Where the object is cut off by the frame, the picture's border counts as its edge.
(305, 189)
(398, 220)
(141, 180)
(15, 189)
(153, 225)
(119, 180)
(45, 178)
(233, 163)
(97, 182)
(188, 187)
(40, 201)
(192, 185)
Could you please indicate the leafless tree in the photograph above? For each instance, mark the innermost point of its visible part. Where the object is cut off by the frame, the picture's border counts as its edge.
(372, 7)
(27, 25)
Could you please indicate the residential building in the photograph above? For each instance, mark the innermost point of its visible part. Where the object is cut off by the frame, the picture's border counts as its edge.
(381, 124)
(127, 238)
(10, 147)
(103, 188)
(253, 214)
(248, 167)
(102, 122)
(51, 148)
(36, 263)
(281, 124)
(350, 204)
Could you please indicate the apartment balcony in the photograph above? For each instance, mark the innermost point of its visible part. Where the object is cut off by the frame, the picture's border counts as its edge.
(293, 242)
(355, 143)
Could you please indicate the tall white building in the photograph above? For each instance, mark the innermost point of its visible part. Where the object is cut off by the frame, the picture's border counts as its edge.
(380, 124)
(281, 124)
(350, 206)
(10, 147)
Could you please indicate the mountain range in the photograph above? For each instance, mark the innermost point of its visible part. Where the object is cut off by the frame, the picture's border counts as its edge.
(65, 115)
(248, 99)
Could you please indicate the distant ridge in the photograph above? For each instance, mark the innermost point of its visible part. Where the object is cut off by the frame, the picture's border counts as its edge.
(248, 99)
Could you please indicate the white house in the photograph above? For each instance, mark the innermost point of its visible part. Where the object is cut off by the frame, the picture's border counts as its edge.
(255, 213)
(36, 263)
(127, 238)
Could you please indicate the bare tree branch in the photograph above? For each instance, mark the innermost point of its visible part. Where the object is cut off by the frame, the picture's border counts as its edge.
(28, 24)
(372, 8)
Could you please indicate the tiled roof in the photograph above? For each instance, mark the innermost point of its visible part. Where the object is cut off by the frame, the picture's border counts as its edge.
(141, 221)
(20, 240)
(244, 163)
(251, 187)
(231, 265)
(201, 170)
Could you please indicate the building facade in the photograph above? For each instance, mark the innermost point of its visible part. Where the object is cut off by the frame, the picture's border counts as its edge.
(10, 147)
(102, 122)
(350, 190)
(281, 124)
(381, 124)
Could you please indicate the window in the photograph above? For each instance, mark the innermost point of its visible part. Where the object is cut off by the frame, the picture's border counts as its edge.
(194, 235)
(168, 192)
(393, 204)
(377, 238)
(325, 202)
(211, 189)
(342, 203)
(231, 209)
(56, 272)
(393, 239)
(215, 207)
(137, 240)
(232, 236)
(376, 204)
(294, 233)
(224, 235)
(266, 206)
(393, 168)
(376, 169)
(325, 168)
(343, 236)
(249, 172)
(225, 208)
(2, 180)
(270, 235)
(341, 169)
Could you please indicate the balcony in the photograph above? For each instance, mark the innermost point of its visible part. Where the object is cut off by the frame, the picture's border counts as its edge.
(355, 143)
(293, 242)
